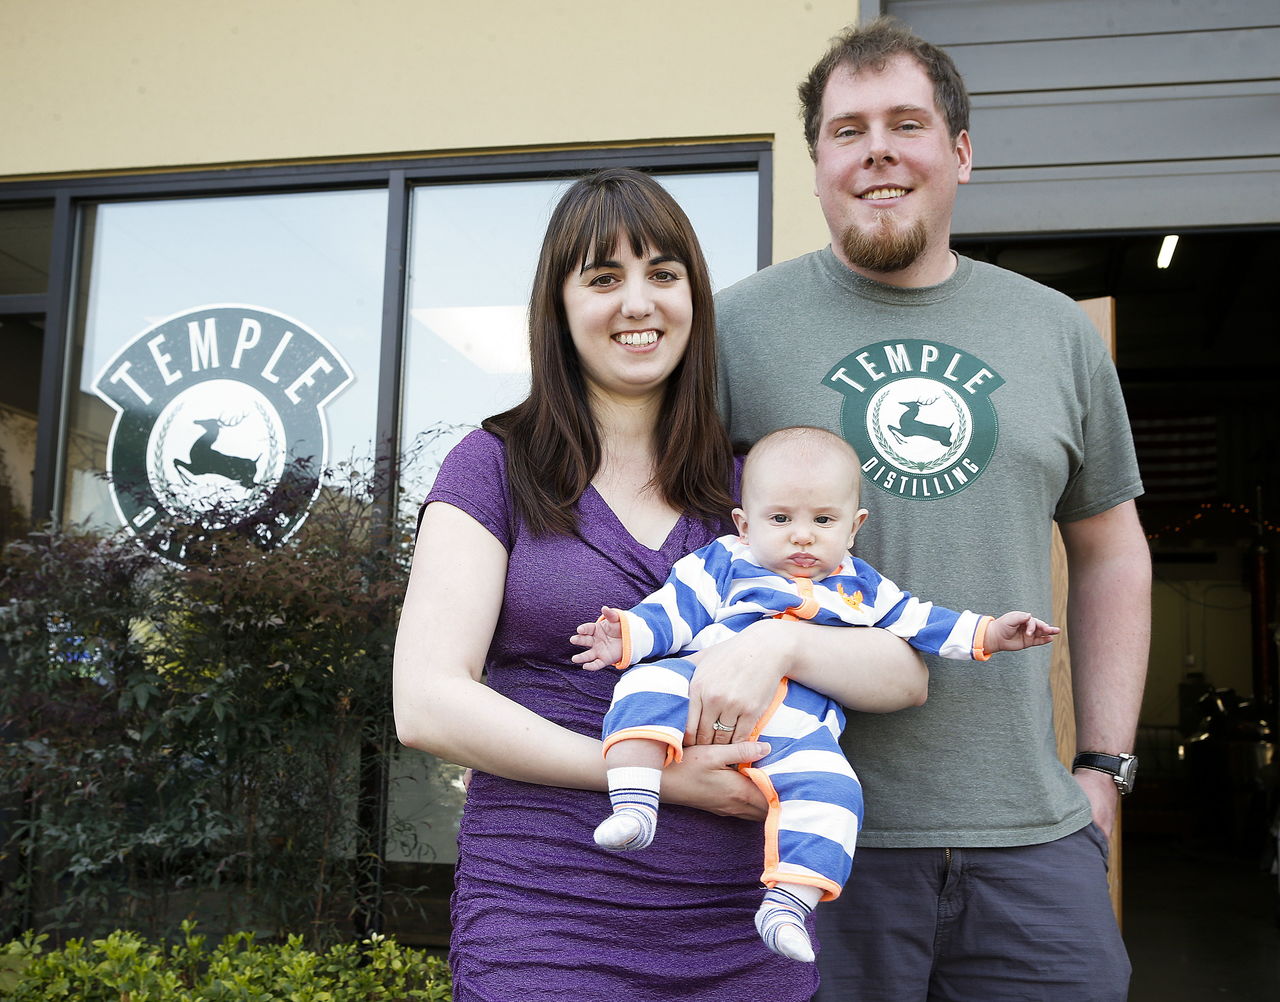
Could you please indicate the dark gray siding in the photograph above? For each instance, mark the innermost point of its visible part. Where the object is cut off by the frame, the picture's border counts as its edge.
(1114, 114)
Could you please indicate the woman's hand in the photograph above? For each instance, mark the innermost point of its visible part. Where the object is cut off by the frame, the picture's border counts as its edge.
(705, 779)
(736, 680)
(735, 683)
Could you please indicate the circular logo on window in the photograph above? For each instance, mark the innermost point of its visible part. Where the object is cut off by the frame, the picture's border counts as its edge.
(920, 415)
(219, 426)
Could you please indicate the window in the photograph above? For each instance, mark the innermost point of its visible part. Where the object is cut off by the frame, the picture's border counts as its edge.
(313, 259)
(415, 274)
(473, 248)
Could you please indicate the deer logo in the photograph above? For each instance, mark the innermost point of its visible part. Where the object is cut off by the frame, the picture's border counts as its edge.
(204, 459)
(920, 414)
(220, 426)
(910, 426)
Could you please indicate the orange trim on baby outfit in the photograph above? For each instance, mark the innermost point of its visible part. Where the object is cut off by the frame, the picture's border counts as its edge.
(779, 695)
(831, 890)
(675, 752)
(764, 784)
(980, 652)
(808, 607)
(624, 660)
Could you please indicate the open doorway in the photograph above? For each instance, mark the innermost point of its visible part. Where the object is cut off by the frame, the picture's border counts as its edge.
(1198, 351)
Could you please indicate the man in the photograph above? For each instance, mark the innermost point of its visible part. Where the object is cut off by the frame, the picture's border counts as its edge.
(984, 408)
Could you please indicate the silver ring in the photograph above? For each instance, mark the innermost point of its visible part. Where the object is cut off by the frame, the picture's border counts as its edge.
(721, 727)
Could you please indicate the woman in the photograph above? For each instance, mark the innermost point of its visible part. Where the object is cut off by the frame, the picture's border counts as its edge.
(586, 493)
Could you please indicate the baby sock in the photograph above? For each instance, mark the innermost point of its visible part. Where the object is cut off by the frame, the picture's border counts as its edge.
(634, 793)
(780, 920)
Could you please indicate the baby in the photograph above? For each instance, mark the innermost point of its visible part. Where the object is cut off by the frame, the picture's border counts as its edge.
(790, 559)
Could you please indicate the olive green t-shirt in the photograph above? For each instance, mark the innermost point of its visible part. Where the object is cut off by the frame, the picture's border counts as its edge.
(983, 409)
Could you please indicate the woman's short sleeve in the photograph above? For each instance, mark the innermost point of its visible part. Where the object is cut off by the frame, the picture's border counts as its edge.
(473, 478)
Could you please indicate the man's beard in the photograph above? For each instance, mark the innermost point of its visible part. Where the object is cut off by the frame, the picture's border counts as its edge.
(886, 247)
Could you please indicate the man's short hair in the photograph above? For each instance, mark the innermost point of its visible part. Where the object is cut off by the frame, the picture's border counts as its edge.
(872, 46)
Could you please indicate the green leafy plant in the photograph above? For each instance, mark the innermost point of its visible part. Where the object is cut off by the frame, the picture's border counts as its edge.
(124, 967)
(211, 739)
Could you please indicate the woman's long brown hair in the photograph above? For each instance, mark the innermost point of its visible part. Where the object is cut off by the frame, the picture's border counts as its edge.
(552, 445)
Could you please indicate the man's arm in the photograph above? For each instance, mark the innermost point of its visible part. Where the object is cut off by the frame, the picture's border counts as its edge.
(1109, 630)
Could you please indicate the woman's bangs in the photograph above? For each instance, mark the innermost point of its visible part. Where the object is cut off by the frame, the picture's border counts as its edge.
(647, 226)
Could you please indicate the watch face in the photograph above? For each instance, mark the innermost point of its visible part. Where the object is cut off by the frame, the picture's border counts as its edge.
(1128, 772)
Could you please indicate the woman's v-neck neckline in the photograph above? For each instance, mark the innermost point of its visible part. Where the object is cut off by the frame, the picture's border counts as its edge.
(626, 533)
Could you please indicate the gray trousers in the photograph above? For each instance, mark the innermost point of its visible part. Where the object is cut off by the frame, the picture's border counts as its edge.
(1024, 924)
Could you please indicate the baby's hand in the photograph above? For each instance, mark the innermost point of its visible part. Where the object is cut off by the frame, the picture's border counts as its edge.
(603, 640)
(1015, 631)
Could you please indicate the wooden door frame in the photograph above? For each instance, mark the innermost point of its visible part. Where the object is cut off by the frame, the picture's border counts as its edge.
(1102, 314)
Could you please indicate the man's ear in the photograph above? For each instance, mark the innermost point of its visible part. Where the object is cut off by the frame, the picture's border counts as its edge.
(740, 520)
(964, 155)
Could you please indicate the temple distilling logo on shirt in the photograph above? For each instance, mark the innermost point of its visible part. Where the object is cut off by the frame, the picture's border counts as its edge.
(219, 426)
(919, 413)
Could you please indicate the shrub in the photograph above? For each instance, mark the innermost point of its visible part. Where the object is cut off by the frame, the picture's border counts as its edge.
(207, 740)
(124, 967)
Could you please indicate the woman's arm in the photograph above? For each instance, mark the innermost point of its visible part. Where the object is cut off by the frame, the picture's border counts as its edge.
(442, 706)
(861, 667)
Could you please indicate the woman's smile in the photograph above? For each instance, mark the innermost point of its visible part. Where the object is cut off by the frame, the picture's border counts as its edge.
(638, 339)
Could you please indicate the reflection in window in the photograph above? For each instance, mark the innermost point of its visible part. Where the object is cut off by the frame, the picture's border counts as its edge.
(26, 236)
(23, 339)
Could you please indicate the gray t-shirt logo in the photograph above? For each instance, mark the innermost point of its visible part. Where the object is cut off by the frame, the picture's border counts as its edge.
(919, 413)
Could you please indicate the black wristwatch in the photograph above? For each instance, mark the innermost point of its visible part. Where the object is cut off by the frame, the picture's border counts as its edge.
(1122, 768)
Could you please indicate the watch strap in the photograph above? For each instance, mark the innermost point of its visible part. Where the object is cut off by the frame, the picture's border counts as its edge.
(1121, 768)
(1100, 761)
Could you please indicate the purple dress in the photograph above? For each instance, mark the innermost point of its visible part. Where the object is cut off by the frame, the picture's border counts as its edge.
(539, 911)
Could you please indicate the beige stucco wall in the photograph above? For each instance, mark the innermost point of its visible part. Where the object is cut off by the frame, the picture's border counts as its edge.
(91, 86)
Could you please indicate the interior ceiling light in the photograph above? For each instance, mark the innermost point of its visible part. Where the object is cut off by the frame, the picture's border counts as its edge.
(1166, 251)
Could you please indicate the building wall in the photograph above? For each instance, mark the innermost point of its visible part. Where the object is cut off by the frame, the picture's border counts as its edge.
(1160, 114)
(152, 84)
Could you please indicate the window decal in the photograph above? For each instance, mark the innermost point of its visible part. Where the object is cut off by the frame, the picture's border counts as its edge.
(219, 426)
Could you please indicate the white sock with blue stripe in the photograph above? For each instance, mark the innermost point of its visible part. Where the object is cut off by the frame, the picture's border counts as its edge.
(780, 920)
(634, 793)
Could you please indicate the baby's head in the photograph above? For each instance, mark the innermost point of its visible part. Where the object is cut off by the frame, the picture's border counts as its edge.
(800, 492)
